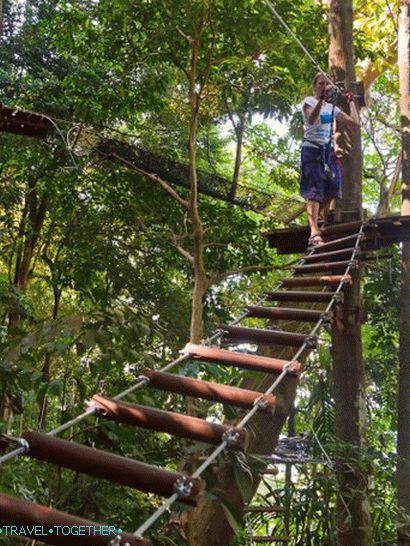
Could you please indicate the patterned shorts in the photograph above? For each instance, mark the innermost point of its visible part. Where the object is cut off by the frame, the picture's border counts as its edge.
(315, 185)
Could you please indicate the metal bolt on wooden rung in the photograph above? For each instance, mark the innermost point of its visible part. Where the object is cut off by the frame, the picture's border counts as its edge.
(183, 486)
(327, 317)
(143, 379)
(339, 297)
(311, 342)
(231, 437)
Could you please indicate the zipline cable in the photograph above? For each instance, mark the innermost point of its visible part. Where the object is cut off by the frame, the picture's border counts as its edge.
(296, 39)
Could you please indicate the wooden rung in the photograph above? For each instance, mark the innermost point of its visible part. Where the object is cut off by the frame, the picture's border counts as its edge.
(283, 313)
(336, 243)
(167, 421)
(329, 256)
(282, 295)
(265, 509)
(320, 280)
(215, 392)
(108, 466)
(257, 538)
(343, 228)
(23, 513)
(327, 266)
(240, 360)
(265, 337)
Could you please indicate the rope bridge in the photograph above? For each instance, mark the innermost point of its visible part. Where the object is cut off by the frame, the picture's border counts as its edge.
(326, 268)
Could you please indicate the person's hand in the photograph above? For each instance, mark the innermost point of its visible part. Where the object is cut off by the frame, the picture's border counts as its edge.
(350, 96)
(332, 94)
(326, 91)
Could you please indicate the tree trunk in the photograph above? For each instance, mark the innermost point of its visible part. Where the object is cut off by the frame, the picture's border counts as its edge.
(353, 515)
(348, 141)
(239, 131)
(200, 284)
(352, 511)
(403, 437)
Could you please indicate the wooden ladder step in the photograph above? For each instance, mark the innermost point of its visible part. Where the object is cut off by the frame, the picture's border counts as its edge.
(22, 513)
(257, 538)
(240, 334)
(327, 266)
(283, 313)
(245, 361)
(108, 466)
(343, 242)
(265, 509)
(330, 256)
(166, 421)
(318, 297)
(320, 280)
(215, 392)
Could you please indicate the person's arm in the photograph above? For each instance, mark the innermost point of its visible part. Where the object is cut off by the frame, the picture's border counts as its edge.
(312, 114)
(352, 120)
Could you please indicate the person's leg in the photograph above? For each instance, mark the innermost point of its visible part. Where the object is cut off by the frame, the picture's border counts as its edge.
(312, 208)
(325, 207)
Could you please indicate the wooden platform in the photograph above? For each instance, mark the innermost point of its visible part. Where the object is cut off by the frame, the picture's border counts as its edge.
(380, 232)
(21, 122)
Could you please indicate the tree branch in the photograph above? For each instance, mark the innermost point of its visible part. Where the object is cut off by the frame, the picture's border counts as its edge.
(155, 178)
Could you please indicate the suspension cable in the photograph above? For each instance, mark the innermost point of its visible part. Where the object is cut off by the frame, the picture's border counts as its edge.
(296, 39)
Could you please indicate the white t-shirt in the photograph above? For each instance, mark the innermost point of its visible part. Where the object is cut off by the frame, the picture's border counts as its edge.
(318, 132)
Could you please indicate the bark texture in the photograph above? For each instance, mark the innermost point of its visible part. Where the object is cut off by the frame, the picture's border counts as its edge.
(348, 141)
(353, 515)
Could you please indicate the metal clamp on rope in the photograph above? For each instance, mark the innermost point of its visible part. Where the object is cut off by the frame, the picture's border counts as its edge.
(326, 317)
(183, 487)
(311, 342)
(22, 442)
(101, 385)
(354, 264)
(231, 437)
(338, 297)
(289, 367)
(261, 403)
(361, 236)
(143, 379)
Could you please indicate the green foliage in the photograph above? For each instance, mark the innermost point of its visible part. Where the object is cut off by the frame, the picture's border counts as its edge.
(104, 293)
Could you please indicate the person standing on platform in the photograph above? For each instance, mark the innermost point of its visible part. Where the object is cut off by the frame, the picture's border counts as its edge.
(321, 174)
